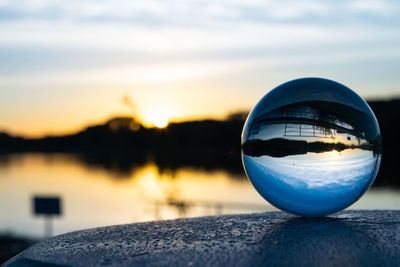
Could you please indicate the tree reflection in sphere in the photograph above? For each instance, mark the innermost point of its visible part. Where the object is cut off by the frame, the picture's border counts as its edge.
(311, 147)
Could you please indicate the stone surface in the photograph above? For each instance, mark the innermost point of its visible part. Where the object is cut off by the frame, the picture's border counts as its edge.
(350, 238)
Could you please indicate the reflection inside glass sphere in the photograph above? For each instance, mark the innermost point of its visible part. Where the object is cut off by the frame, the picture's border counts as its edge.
(311, 147)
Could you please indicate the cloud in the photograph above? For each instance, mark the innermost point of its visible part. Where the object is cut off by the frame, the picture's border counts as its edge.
(197, 13)
(321, 169)
(75, 38)
(382, 8)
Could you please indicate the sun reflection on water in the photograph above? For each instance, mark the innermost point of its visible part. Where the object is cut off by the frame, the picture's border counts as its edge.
(93, 197)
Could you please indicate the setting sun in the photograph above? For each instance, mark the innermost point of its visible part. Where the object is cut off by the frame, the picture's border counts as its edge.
(157, 118)
(160, 122)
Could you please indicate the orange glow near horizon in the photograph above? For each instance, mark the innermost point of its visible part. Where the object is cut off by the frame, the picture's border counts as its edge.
(159, 120)
(70, 111)
(157, 117)
(152, 119)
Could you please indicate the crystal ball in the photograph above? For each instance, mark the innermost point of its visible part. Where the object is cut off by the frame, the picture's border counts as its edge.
(311, 147)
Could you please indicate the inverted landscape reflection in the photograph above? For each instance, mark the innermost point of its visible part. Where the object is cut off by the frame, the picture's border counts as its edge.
(311, 153)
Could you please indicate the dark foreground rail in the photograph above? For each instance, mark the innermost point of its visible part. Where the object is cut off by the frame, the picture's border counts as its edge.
(350, 238)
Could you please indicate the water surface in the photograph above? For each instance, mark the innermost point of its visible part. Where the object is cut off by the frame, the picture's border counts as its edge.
(93, 196)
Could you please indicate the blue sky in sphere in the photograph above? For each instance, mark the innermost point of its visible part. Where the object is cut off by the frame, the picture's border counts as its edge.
(313, 184)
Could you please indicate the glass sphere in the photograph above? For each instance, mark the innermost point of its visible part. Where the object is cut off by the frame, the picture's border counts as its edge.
(311, 147)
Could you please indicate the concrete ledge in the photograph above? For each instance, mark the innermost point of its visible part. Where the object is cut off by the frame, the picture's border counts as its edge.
(350, 238)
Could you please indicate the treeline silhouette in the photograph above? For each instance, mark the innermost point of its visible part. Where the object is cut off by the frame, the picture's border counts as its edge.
(281, 147)
(206, 144)
(121, 144)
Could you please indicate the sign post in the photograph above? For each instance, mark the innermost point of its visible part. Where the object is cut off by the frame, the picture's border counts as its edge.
(48, 207)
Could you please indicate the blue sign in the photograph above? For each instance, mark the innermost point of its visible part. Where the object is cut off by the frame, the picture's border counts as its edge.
(47, 205)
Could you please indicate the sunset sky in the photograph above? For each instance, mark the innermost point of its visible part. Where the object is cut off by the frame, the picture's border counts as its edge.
(64, 64)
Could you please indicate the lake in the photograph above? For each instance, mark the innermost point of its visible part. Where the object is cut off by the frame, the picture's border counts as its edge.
(93, 196)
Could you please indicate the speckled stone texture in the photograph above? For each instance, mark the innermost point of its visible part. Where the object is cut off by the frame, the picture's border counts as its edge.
(349, 238)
